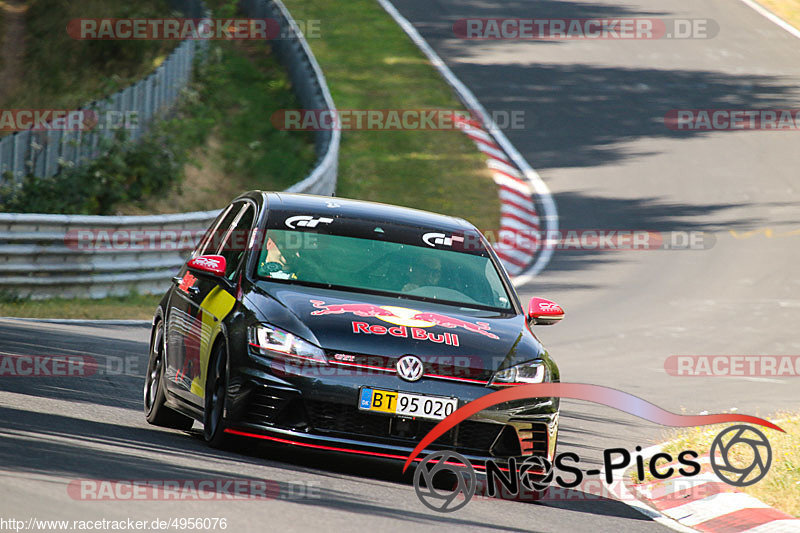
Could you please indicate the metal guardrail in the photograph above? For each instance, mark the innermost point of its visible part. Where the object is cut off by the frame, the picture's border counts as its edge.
(40, 258)
(43, 256)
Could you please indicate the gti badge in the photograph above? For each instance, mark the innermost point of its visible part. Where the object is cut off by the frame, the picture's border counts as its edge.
(410, 368)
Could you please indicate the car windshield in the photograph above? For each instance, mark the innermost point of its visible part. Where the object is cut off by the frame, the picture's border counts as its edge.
(423, 272)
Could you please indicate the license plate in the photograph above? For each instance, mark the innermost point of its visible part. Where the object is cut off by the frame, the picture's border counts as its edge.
(406, 404)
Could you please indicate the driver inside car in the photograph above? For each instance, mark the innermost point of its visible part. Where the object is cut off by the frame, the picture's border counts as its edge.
(274, 264)
(426, 273)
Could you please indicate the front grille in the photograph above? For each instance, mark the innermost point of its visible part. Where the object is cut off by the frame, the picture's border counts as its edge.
(469, 437)
(507, 444)
(268, 405)
(460, 367)
(533, 439)
(326, 416)
(477, 435)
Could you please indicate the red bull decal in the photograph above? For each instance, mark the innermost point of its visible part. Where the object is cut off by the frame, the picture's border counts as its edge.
(450, 339)
(450, 322)
(550, 307)
(405, 317)
(356, 309)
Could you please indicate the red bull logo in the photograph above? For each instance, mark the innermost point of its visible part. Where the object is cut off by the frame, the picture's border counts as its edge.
(550, 307)
(403, 316)
(450, 322)
(356, 309)
(450, 339)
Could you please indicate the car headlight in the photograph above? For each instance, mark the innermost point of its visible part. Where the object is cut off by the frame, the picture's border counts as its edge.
(523, 373)
(270, 341)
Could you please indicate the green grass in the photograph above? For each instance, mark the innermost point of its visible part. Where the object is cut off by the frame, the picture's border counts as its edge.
(225, 124)
(251, 86)
(221, 127)
(788, 10)
(64, 73)
(781, 486)
(134, 307)
(370, 63)
(2, 32)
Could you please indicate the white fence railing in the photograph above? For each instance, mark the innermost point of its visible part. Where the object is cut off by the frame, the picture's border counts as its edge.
(43, 153)
(43, 256)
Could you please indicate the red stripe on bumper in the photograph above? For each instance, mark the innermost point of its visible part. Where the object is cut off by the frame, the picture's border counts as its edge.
(336, 448)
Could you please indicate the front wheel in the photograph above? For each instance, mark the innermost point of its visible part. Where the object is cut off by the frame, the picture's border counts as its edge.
(155, 410)
(215, 394)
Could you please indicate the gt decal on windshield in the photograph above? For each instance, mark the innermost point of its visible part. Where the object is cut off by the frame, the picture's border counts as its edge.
(306, 221)
(432, 239)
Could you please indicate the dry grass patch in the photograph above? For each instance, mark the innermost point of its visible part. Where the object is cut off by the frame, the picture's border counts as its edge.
(781, 486)
(788, 10)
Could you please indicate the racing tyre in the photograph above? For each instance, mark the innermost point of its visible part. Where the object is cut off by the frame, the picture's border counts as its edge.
(155, 411)
(216, 389)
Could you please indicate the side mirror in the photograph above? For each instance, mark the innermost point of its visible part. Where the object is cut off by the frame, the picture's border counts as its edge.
(210, 264)
(543, 312)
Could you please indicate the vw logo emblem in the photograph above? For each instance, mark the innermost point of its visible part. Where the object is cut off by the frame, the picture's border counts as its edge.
(409, 367)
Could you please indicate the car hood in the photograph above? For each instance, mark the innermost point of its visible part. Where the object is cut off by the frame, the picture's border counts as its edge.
(348, 323)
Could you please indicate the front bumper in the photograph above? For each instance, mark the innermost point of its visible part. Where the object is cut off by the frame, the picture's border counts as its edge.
(311, 409)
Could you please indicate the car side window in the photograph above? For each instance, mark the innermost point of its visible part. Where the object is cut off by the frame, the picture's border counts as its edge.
(212, 242)
(237, 240)
(200, 249)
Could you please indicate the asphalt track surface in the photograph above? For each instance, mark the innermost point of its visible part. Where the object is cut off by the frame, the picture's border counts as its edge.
(595, 132)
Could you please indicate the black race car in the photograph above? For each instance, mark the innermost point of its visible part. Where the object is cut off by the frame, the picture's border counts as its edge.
(348, 326)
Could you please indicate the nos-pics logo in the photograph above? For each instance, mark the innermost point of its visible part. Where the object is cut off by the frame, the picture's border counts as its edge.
(446, 481)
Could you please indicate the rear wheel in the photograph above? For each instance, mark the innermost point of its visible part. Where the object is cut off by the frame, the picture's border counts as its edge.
(155, 411)
(216, 390)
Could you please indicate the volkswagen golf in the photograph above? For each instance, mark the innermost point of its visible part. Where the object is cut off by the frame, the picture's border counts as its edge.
(351, 327)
